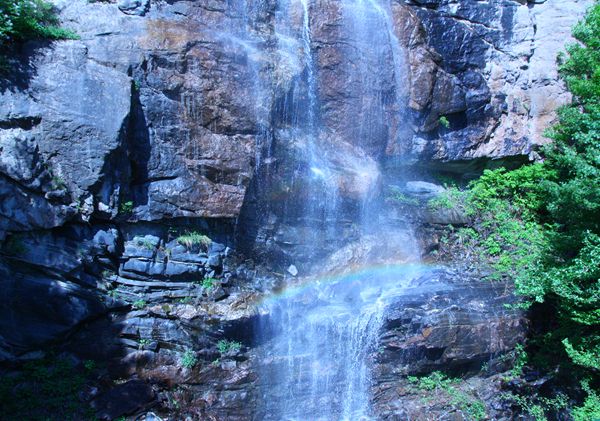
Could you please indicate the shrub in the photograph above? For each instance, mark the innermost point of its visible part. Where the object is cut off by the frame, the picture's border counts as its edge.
(590, 410)
(29, 19)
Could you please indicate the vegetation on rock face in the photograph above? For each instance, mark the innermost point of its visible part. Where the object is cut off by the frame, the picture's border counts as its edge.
(29, 19)
(189, 359)
(194, 238)
(448, 389)
(540, 225)
(48, 389)
(224, 346)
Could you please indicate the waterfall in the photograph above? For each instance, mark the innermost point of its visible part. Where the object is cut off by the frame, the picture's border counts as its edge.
(320, 332)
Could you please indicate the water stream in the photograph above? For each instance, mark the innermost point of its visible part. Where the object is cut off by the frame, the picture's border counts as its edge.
(321, 331)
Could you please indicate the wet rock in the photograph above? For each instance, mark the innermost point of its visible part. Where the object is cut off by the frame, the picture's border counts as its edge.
(45, 308)
(151, 416)
(292, 270)
(449, 321)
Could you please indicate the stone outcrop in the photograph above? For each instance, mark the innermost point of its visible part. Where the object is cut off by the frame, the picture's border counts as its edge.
(494, 66)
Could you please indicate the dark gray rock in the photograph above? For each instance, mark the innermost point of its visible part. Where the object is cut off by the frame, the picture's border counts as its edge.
(134, 7)
(124, 399)
(39, 309)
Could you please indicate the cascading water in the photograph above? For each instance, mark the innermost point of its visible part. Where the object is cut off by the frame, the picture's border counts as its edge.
(321, 332)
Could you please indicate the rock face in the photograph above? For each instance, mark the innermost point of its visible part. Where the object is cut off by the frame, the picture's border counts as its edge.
(174, 119)
(498, 75)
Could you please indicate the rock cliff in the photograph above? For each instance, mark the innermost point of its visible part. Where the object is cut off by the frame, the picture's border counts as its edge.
(168, 121)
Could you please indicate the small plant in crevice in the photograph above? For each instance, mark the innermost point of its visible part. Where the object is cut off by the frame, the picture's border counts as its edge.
(147, 244)
(398, 196)
(166, 251)
(58, 183)
(139, 304)
(194, 238)
(444, 122)
(126, 207)
(224, 346)
(90, 365)
(186, 300)
(209, 283)
(189, 359)
(143, 343)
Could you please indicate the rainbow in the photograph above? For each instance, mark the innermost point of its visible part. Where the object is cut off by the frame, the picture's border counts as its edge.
(358, 274)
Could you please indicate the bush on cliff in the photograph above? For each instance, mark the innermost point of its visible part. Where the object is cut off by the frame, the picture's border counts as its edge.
(29, 19)
(540, 224)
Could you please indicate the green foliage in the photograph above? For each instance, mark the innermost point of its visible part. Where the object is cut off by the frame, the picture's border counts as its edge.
(189, 359)
(472, 407)
(126, 207)
(45, 390)
(139, 304)
(521, 186)
(443, 120)
(538, 407)
(30, 19)
(224, 346)
(540, 224)
(505, 235)
(451, 198)
(436, 380)
(519, 360)
(143, 343)
(90, 365)
(590, 410)
(194, 238)
(209, 283)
